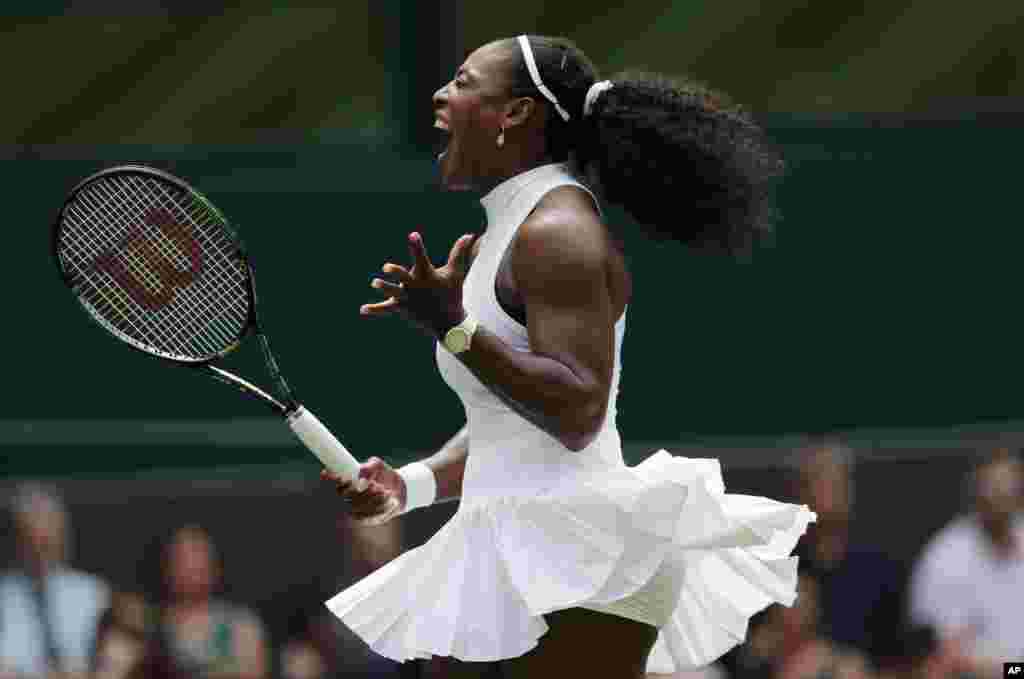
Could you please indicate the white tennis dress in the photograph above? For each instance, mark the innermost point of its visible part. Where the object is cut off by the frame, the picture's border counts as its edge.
(541, 528)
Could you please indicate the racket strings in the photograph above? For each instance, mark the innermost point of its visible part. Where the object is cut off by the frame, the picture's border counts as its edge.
(222, 299)
(135, 261)
(207, 306)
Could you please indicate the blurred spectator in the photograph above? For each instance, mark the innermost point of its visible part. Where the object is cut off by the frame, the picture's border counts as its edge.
(319, 645)
(919, 653)
(48, 610)
(197, 633)
(969, 581)
(311, 649)
(859, 584)
(787, 643)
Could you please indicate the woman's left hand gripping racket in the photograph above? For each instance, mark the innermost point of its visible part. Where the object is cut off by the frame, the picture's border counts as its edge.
(159, 267)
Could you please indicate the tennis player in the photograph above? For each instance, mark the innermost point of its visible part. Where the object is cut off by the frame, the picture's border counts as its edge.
(560, 557)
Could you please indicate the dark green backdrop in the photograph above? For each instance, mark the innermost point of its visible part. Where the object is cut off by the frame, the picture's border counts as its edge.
(888, 298)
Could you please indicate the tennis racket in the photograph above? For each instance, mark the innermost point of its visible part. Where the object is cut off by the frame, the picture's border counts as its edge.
(156, 265)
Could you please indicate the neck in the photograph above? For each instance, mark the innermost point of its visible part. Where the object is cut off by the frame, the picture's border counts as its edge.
(829, 537)
(518, 162)
(498, 198)
(191, 604)
(39, 569)
(1000, 533)
(830, 548)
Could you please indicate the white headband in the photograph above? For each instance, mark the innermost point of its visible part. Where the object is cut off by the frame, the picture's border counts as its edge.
(531, 66)
(593, 93)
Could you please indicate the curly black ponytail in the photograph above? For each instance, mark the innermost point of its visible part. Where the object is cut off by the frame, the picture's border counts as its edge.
(685, 165)
(677, 156)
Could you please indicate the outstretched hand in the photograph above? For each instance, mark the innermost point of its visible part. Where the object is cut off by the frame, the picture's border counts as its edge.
(428, 297)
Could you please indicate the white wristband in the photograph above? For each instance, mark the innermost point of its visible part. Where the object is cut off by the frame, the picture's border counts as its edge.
(420, 486)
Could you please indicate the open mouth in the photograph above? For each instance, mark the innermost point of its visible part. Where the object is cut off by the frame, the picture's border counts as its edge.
(443, 137)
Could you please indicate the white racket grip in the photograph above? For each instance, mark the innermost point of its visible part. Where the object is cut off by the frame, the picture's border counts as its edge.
(321, 442)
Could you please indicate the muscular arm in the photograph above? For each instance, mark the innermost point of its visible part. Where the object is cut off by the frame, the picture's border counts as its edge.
(562, 384)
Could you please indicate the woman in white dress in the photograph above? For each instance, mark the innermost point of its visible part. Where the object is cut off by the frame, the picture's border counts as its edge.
(560, 557)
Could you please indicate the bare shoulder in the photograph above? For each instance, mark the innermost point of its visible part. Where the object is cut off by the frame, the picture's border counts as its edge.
(563, 236)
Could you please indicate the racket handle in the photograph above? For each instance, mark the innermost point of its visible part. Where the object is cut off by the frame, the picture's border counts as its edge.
(321, 442)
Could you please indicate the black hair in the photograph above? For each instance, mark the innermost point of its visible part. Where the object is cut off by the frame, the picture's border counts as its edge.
(677, 156)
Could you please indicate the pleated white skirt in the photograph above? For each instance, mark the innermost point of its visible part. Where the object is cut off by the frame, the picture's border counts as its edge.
(477, 590)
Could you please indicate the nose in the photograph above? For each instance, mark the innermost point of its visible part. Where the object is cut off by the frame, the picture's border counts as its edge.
(440, 97)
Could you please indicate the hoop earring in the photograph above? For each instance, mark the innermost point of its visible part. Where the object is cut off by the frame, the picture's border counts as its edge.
(501, 138)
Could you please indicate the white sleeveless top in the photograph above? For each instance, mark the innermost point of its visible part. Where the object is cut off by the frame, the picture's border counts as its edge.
(508, 454)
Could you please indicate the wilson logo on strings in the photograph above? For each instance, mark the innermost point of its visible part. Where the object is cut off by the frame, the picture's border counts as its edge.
(153, 260)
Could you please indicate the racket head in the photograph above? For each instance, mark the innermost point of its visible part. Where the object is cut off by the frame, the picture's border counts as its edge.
(153, 262)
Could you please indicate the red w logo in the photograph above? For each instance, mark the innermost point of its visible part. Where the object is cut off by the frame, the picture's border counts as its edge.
(144, 264)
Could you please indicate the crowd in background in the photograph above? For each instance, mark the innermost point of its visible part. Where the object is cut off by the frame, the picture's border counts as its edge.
(56, 621)
(859, 614)
(956, 612)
